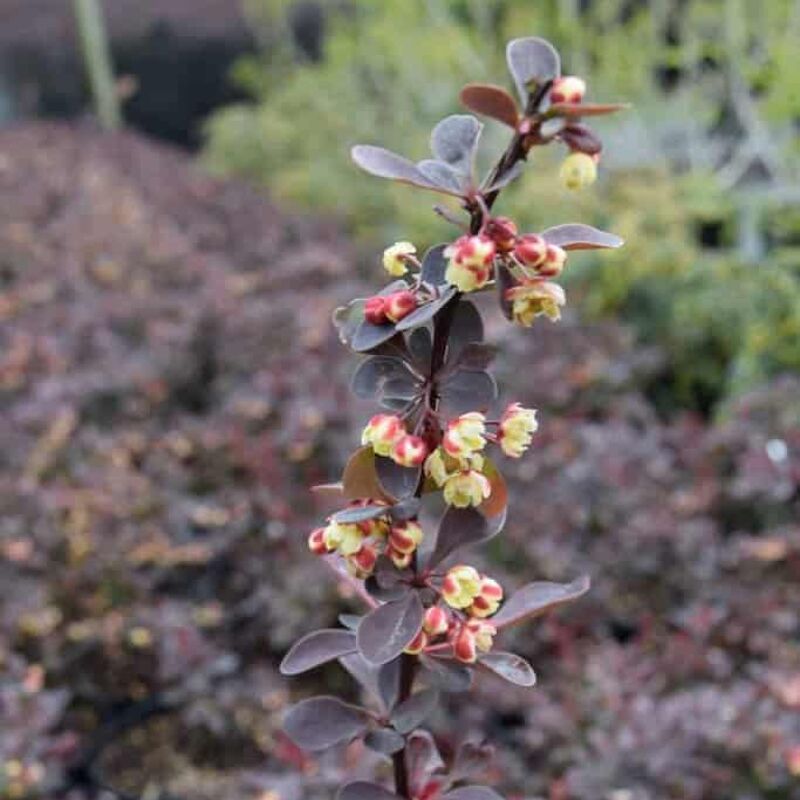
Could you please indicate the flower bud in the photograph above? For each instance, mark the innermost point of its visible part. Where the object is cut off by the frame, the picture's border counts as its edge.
(553, 263)
(517, 426)
(316, 542)
(435, 468)
(503, 232)
(409, 451)
(375, 309)
(405, 537)
(488, 600)
(465, 435)
(470, 262)
(399, 305)
(436, 621)
(382, 432)
(533, 298)
(578, 170)
(418, 644)
(395, 257)
(461, 586)
(568, 89)
(364, 560)
(466, 488)
(472, 637)
(530, 250)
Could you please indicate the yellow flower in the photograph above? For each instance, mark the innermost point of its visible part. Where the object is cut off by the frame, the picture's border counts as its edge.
(529, 300)
(517, 426)
(488, 600)
(394, 258)
(435, 467)
(467, 488)
(470, 262)
(578, 170)
(347, 538)
(382, 432)
(465, 435)
(405, 537)
(461, 586)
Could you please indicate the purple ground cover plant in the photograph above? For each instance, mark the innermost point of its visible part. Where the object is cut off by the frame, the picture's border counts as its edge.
(422, 488)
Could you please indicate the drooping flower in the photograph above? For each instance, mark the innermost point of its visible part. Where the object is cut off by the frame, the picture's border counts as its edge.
(530, 250)
(382, 432)
(436, 621)
(578, 170)
(461, 586)
(396, 256)
(465, 435)
(363, 562)
(435, 467)
(470, 262)
(466, 488)
(534, 298)
(409, 451)
(316, 542)
(503, 232)
(472, 637)
(488, 599)
(405, 537)
(517, 426)
(568, 89)
(345, 538)
(553, 264)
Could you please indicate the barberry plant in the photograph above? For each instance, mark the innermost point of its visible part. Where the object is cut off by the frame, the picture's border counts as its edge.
(424, 487)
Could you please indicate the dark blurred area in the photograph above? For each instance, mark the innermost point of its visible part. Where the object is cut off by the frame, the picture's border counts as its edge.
(170, 385)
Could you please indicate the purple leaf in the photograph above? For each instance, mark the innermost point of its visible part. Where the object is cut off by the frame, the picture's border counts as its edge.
(350, 621)
(361, 790)
(321, 722)
(360, 513)
(374, 373)
(384, 593)
(579, 137)
(443, 175)
(411, 713)
(434, 265)
(425, 313)
(536, 598)
(406, 509)
(422, 754)
(460, 527)
(574, 236)
(346, 319)
(317, 648)
(420, 346)
(467, 390)
(449, 676)
(385, 632)
(389, 682)
(505, 281)
(471, 759)
(510, 667)
(455, 140)
(472, 793)
(532, 62)
(398, 481)
(368, 336)
(475, 356)
(467, 326)
(385, 741)
(365, 673)
(384, 163)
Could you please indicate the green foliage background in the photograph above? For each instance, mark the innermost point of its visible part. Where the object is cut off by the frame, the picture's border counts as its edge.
(701, 176)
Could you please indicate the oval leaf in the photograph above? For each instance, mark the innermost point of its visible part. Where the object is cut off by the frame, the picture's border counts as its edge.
(321, 722)
(361, 790)
(532, 62)
(466, 327)
(584, 109)
(389, 682)
(455, 139)
(472, 793)
(420, 345)
(434, 265)
(475, 356)
(317, 648)
(536, 598)
(443, 175)
(509, 667)
(399, 481)
(411, 713)
(373, 373)
(384, 163)
(385, 632)
(460, 527)
(360, 513)
(385, 741)
(491, 101)
(360, 479)
(449, 676)
(496, 504)
(368, 336)
(579, 137)
(581, 237)
(467, 390)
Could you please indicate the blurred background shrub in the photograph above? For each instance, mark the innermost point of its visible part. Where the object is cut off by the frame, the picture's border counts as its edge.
(701, 176)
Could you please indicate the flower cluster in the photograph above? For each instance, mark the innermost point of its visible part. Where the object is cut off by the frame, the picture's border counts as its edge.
(387, 435)
(360, 543)
(457, 466)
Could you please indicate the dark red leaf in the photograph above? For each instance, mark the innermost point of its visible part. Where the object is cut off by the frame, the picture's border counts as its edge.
(321, 722)
(434, 265)
(396, 480)
(360, 479)
(411, 713)
(317, 648)
(467, 390)
(491, 101)
(385, 741)
(449, 676)
(579, 137)
(536, 598)
(585, 109)
(460, 527)
(385, 632)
